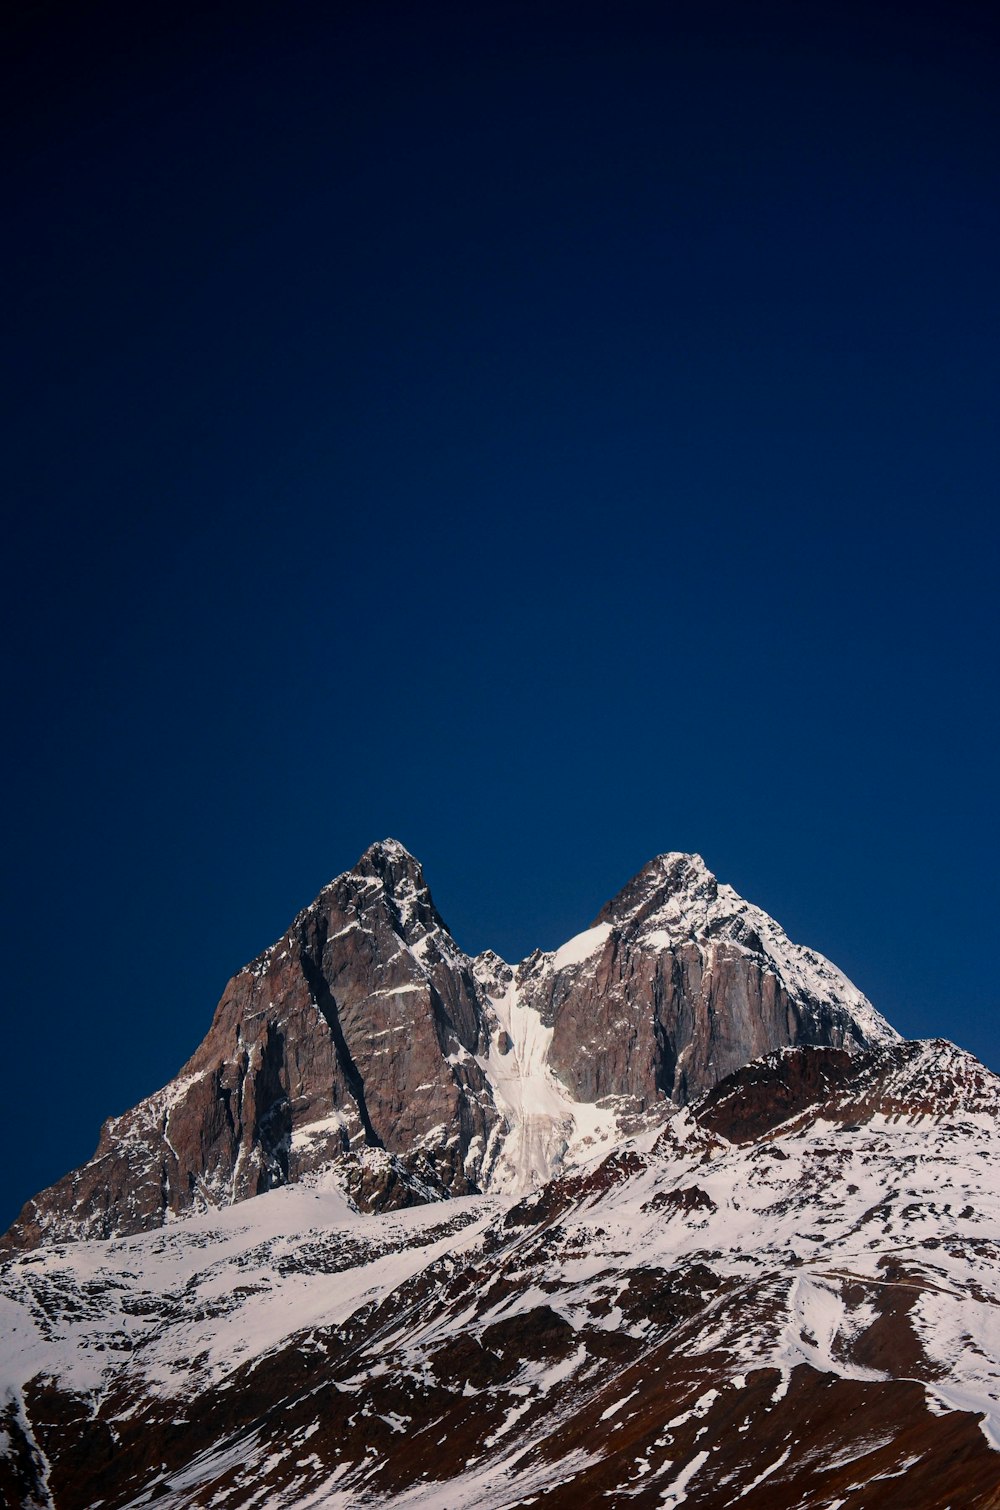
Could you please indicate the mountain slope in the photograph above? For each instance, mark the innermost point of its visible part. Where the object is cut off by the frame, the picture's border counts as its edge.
(366, 1036)
(783, 1297)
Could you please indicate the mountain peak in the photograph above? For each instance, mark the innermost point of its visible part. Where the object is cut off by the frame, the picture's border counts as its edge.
(390, 876)
(671, 877)
(386, 853)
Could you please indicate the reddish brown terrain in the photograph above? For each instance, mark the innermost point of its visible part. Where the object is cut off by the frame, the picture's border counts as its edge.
(413, 1229)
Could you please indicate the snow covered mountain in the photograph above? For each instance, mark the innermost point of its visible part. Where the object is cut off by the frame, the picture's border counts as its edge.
(666, 1216)
(366, 1035)
(787, 1295)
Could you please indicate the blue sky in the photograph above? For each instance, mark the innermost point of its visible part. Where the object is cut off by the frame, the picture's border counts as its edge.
(550, 434)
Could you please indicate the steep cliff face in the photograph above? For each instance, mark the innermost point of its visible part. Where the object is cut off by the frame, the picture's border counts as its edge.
(686, 983)
(357, 1030)
(366, 1036)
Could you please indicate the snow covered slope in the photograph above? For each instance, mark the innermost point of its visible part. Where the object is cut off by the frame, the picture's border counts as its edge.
(785, 1296)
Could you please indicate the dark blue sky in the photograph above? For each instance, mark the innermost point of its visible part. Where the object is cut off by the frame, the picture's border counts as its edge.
(549, 433)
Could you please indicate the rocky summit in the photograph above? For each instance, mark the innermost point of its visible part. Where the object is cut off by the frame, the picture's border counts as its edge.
(667, 1216)
(366, 1036)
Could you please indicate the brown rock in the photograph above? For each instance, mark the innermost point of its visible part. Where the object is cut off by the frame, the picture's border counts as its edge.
(364, 1026)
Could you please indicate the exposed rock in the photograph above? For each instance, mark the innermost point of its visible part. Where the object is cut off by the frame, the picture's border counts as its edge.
(357, 1028)
(688, 982)
(926, 1078)
(366, 1027)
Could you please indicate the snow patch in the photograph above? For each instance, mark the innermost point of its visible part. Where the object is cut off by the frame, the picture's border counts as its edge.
(581, 947)
(677, 1493)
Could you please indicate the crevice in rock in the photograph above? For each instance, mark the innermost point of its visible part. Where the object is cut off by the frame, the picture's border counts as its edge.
(324, 999)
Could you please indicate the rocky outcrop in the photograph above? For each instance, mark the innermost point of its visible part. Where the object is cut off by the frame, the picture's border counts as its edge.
(686, 982)
(365, 1027)
(913, 1081)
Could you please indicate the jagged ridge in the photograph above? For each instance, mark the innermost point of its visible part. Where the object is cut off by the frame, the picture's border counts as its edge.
(366, 1030)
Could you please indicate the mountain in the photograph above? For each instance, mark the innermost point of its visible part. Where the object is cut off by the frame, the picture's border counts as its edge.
(784, 1297)
(668, 1216)
(365, 1035)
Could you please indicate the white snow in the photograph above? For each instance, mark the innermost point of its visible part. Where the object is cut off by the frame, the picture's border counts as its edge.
(544, 1124)
(765, 1473)
(677, 1493)
(323, 1127)
(580, 948)
(613, 1410)
(807, 1232)
(231, 1256)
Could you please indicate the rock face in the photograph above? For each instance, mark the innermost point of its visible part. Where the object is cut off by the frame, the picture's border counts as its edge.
(356, 1030)
(687, 983)
(366, 1036)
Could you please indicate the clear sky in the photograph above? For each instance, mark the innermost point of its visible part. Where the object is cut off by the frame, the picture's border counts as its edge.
(549, 433)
